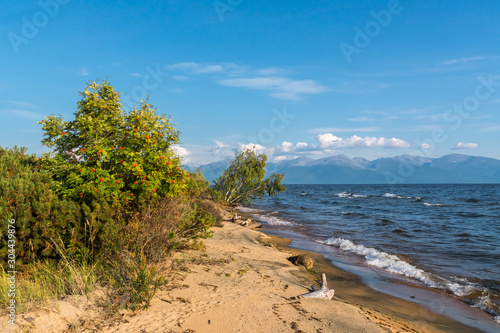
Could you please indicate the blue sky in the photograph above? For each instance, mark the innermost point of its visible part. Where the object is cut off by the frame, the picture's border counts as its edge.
(292, 78)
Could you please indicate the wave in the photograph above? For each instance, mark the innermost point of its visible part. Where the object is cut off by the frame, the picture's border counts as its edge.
(391, 263)
(350, 195)
(247, 209)
(433, 204)
(273, 220)
(392, 195)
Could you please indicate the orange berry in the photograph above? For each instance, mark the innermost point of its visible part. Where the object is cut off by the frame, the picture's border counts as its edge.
(102, 179)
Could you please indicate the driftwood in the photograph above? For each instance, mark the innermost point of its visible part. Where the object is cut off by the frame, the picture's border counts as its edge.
(251, 224)
(234, 218)
(324, 292)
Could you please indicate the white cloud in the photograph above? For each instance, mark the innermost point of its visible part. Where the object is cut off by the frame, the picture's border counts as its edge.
(182, 152)
(137, 74)
(279, 87)
(425, 146)
(288, 147)
(279, 158)
(330, 141)
(258, 149)
(462, 145)
(361, 119)
(301, 145)
(468, 59)
(269, 71)
(197, 68)
(219, 147)
(344, 130)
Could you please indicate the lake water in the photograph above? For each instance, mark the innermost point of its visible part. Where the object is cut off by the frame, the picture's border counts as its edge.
(444, 237)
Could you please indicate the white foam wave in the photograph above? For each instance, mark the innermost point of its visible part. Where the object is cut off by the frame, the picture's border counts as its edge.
(247, 209)
(380, 259)
(350, 195)
(393, 264)
(273, 220)
(432, 204)
(392, 195)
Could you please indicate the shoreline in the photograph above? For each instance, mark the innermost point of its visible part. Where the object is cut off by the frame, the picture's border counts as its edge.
(429, 303)
(382, 308)
(242, 282)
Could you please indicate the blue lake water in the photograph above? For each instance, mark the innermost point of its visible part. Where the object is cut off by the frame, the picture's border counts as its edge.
(445, 237)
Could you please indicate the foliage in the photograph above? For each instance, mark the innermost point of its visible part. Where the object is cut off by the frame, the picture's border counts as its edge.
(111, 197)
(243, 181)
(197, 186)
(154, 232)
(27, 196)
(106, 152)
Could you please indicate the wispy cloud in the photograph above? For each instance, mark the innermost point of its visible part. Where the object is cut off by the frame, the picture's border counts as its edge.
(180, 77)
(462, 145)
(219, 148)
(344, 130)
(198, 68)
(83, 71)
(494, 128)
(23, 113)
(361, 119)
(270, 79)
(137, 75)
(468, 59)
(279, 87)
(20, 104)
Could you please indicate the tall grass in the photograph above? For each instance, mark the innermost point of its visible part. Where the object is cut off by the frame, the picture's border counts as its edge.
(43, 281)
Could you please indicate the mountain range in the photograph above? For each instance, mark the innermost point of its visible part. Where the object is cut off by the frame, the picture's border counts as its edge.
(405, 169)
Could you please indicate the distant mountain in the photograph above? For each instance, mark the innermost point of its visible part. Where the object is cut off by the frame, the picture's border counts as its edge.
(405, 169)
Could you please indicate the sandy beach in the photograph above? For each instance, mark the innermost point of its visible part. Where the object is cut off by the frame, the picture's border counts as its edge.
(243, 282)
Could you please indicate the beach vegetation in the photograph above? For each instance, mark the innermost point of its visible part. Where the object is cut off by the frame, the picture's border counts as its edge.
(104, 208)
(244, 180)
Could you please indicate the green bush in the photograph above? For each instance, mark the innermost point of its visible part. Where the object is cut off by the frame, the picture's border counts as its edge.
(106, 152)
(27, 196)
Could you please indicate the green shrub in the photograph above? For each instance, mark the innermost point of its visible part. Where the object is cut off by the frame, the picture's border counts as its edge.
(27, 196)
(127, 157)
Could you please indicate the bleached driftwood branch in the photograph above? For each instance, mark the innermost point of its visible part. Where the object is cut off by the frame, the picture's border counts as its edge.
(324, 292)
